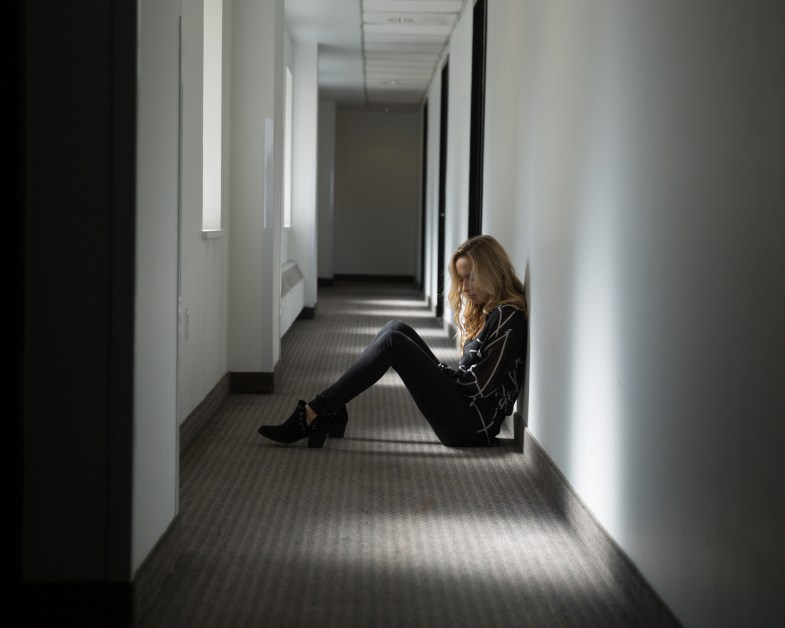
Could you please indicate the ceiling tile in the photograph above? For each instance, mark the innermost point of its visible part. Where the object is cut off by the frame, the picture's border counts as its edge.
(402, 41)
(413, 6)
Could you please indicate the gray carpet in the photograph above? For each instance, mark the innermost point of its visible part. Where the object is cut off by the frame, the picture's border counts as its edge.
(385, 527)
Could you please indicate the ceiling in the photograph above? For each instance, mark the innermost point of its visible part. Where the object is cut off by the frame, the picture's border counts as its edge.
(374, 52)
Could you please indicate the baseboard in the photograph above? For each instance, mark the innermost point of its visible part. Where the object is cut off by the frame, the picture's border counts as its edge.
(205, 411)
(255, 383)
(307, 313)
(637, 591)
(151, 576)
(324, 281)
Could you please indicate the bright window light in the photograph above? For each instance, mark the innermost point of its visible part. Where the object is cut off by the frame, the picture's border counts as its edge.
(287, 155)
(211, 119)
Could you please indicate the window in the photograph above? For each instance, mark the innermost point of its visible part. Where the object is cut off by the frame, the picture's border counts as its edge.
(287, 153)
(212, 91)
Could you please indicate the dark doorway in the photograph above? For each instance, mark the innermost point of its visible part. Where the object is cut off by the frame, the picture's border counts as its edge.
(424, 193)
(477, 138)
(442, 189)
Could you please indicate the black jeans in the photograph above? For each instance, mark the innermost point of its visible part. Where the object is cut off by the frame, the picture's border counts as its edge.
(397, 345)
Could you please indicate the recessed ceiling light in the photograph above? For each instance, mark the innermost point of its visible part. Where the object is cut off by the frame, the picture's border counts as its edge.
(400, 20)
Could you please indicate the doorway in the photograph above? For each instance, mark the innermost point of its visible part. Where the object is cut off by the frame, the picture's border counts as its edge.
(477, 137)
(442, 189)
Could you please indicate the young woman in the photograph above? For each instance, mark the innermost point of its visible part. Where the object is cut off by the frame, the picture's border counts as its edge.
(466, 405)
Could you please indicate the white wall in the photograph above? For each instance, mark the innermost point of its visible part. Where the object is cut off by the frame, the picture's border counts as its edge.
(458, 142)
(504, 215)
(634, 162)
(162, 399)
(228, 321)
(305, 134)
(155, 460)
(377, 166)
(325, 185)
(459, 58)
(254, 240)
(203, 262)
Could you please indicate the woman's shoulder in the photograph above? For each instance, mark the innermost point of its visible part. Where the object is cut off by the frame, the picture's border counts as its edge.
(506, 309)
(506, 314)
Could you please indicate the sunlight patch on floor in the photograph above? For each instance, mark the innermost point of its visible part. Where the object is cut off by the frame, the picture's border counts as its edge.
(391, 303)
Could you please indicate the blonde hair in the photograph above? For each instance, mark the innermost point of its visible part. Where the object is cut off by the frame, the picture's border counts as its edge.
(493, 275)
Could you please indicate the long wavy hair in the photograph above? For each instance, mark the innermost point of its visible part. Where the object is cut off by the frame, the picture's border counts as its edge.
(493, 275)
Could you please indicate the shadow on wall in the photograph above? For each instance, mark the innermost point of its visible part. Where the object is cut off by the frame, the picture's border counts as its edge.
(521, 414)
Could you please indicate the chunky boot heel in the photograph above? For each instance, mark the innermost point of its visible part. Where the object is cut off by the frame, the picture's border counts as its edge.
(318, 430)
(337, 430)
(316, 439)
(296, 428)
(339, 419)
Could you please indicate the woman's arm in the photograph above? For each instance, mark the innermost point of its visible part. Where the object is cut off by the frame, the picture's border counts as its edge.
(486, 363)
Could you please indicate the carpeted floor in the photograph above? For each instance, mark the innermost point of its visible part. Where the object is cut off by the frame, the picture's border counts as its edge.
(385, 527)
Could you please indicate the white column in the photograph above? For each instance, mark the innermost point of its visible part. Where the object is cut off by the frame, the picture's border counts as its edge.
(255, 240)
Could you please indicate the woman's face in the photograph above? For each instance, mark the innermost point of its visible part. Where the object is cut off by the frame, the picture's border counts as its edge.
(464, 266)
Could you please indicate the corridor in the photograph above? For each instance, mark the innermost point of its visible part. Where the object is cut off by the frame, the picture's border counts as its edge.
(385, 527)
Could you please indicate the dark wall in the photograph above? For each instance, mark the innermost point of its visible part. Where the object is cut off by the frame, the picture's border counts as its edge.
(75, 230)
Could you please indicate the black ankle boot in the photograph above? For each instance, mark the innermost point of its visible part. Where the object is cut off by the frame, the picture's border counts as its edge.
(296, 428)
(338, 420)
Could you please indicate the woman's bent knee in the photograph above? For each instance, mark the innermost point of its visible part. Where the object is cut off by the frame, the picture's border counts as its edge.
(396, 325)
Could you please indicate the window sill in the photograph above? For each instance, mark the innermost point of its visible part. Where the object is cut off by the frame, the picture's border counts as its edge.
(209, 234)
